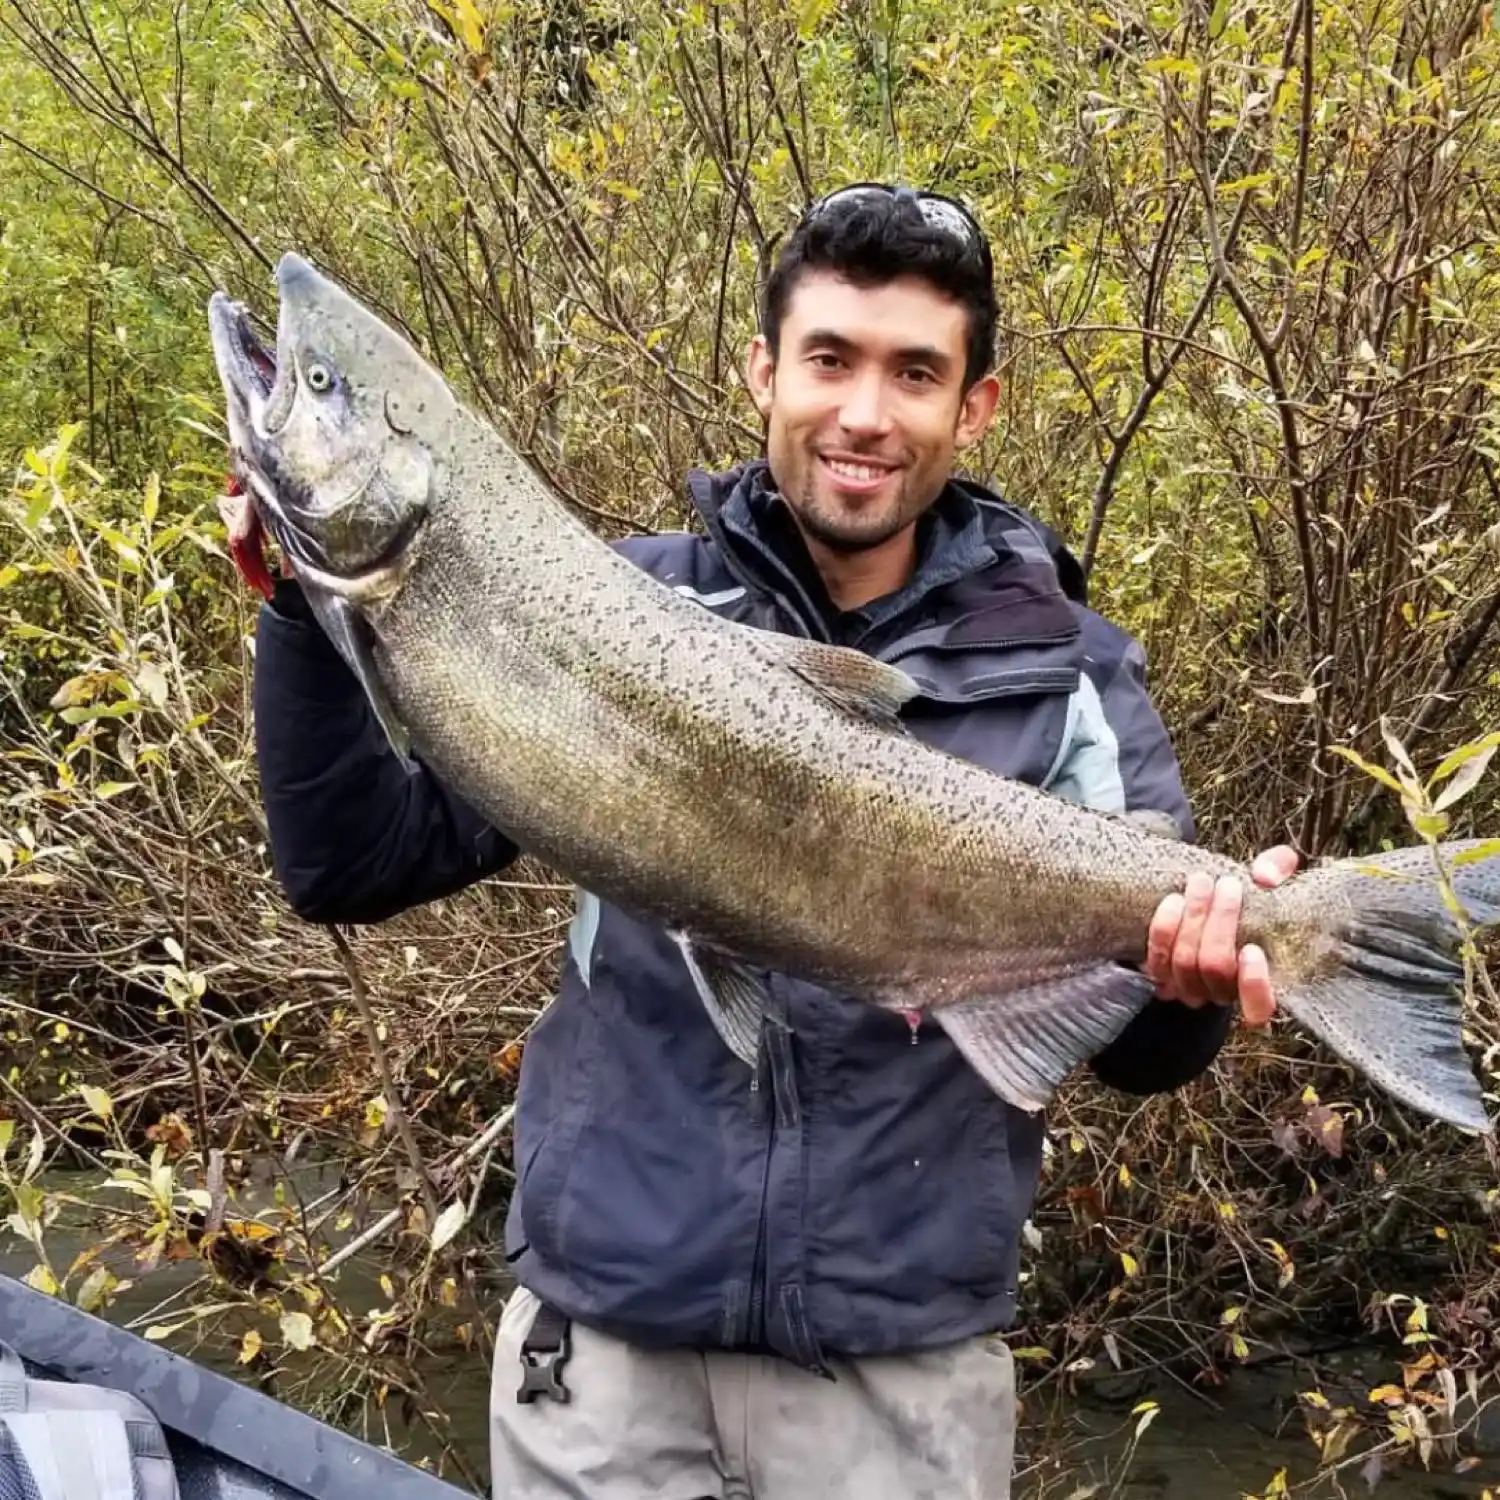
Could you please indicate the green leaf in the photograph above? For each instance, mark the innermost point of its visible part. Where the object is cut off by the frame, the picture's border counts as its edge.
(1464, 754)
(1380, 774)
(1428, 825)
(1485, 849)
(1466, 779)
(1217, 20)
(41, 503)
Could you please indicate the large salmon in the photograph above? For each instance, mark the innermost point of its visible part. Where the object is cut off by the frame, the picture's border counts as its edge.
(756, 793)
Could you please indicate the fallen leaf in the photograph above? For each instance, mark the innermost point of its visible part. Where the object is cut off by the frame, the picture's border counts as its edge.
(297, 1330)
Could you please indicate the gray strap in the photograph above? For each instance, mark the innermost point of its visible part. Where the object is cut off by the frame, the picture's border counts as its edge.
(12, 1380)
(75, 1455)
(145, 1440)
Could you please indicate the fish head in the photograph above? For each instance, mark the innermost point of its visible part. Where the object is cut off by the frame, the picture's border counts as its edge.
(331, 432)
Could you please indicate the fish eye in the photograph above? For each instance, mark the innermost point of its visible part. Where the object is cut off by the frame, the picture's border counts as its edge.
(319, 377)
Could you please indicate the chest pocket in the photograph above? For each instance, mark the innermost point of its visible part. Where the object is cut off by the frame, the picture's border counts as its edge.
(1008, 709)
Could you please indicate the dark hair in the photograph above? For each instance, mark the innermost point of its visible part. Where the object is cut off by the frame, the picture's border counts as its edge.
(872, 237)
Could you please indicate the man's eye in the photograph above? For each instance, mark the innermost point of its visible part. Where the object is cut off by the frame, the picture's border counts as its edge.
(826, 361)
(920, 375)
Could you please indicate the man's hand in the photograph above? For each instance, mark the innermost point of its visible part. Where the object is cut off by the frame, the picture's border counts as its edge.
(1192, 949)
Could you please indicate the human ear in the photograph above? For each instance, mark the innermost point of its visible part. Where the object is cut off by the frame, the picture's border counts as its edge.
(760, 372)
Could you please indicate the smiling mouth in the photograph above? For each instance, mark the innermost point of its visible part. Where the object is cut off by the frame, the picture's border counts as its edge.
(855, 474)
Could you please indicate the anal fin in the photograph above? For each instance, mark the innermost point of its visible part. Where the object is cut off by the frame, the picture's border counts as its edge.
(1025, 1042)
(735, 999)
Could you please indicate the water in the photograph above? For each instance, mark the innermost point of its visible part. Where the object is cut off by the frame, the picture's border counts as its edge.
(1221, 1447)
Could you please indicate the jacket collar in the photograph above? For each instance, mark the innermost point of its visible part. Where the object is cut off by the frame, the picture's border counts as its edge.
(968, 529)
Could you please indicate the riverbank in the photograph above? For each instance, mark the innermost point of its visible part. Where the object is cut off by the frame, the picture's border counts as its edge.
(1129, 1435)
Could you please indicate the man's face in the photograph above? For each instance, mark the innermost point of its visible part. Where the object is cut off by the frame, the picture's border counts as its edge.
(866, 405)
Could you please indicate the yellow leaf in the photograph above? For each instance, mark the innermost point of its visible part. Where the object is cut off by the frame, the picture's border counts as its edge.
(96, 1288)
(1387, 1395)
(1124, 1175)
(249, 1345)
(375, 1112)
(470, 24)
(40, 1279)
(1380, 774)
(1230, 1315)
(76, 691)
(1129, 1262)
(1244, 184)
(297, 1330)
(151, 497)
(97, 1100)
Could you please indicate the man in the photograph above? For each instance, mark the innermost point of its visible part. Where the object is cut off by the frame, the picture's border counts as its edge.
(788, 1293)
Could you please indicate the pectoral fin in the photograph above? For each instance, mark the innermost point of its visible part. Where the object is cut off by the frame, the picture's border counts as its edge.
(734, 997)
(350, 633)
(1023, 1044)
(859, 684)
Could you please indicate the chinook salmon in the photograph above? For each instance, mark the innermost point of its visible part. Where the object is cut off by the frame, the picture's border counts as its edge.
(754, 793)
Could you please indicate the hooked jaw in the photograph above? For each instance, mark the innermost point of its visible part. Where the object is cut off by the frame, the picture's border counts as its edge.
(247, 372)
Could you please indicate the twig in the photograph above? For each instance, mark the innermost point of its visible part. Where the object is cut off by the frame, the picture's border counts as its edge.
(388, 1221)
(387, 1078)
(40, 1120)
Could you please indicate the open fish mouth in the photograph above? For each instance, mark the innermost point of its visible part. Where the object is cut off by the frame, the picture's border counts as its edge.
(247, 366)
(247, 370)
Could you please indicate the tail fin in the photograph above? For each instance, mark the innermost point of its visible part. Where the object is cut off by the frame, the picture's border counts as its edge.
(1392, 1005)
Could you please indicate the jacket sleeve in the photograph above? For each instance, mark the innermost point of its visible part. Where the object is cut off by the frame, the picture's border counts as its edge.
(1120, 759)
(354, 836)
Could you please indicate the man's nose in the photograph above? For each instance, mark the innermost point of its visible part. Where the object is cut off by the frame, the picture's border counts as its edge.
(866, 407)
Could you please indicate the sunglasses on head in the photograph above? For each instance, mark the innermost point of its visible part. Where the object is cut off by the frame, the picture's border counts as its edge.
(940, 212)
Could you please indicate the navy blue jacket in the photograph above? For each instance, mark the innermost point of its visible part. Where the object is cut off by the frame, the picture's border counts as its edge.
(871, 1198)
